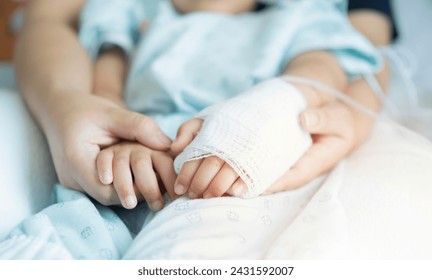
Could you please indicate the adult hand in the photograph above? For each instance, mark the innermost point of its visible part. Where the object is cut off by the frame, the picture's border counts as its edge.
(81, 126)
(336, 129)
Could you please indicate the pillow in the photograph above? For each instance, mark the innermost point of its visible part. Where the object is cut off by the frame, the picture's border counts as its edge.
(27, 174)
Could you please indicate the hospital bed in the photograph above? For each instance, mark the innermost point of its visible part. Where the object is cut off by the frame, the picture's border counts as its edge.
(390, 218)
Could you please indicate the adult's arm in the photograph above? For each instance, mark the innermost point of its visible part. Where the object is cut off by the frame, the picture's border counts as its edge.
(55, 78)
(49, 60)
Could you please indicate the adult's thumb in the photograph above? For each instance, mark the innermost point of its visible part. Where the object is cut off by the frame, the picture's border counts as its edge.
(137, 127)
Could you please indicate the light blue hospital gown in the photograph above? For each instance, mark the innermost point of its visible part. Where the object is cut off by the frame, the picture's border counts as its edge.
(180, 65)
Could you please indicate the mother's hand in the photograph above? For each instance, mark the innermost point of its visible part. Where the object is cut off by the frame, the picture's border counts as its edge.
(83, 125)
(336, 129)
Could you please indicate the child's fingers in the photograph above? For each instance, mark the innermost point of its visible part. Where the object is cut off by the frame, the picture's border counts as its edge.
(87, 180)
(123, 182)
(145, 179)
(185, 135)
(238, 188)
(185, 176)
(220, 184)
(104, 166)
(163, 164)
(206, 172)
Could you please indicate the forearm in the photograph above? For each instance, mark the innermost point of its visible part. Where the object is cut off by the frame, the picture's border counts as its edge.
(109, 75)
(50, 61)
(323, 67)
(375, 26)
(320, 66)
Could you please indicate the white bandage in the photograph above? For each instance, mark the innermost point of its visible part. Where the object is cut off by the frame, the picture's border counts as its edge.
(257, 133)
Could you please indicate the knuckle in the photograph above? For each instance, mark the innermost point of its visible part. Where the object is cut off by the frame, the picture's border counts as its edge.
(151, 194)
(215, 161)
(198, 186)
(104, 154)
(183, 179)
(142, 161)
(215, 191)
(142, 122)
(121, 161)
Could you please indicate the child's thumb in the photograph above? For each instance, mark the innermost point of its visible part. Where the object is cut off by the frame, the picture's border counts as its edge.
(185, 135)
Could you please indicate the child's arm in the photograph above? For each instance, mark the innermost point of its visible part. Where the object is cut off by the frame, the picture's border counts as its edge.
(130, 167)
(109, 75)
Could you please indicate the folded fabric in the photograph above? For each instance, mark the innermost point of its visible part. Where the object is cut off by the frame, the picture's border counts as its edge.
(257, 133)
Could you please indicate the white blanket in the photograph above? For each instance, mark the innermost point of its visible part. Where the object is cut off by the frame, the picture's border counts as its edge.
(375, 204)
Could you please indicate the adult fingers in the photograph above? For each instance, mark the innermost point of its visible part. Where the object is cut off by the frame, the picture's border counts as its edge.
(331, 119)
(136, 127)
(332, 126)
(322, 156)
(314, 97)
(185, 135)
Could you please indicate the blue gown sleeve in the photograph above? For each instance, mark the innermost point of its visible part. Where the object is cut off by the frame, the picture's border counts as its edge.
(112, 22)
(323, 26)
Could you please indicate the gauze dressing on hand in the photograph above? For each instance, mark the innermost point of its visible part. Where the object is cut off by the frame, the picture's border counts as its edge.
(257, 133)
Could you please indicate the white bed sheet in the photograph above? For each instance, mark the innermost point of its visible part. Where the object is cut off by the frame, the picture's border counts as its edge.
(374, 205)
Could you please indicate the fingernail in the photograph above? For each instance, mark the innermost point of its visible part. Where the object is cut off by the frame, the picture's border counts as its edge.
(179, 189)
(156, 206)
(130, 202)
(311, 119)
(162, 138)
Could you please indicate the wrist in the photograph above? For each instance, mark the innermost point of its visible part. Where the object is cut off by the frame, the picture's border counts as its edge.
(112, 96)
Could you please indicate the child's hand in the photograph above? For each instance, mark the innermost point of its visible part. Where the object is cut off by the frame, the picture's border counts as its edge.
(131, 168)
(207, 178)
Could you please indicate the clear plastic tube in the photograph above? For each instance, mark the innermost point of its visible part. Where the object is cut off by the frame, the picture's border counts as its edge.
(334, 92)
